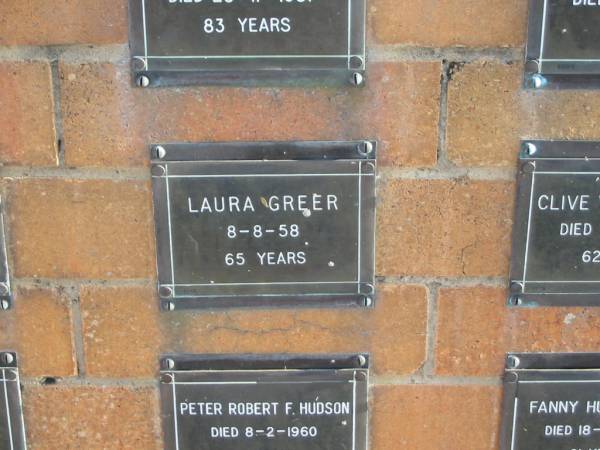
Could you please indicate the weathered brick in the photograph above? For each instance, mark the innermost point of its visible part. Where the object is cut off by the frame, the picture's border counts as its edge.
(399, 106)
(123, 322)
(489, 112)
(444, 227)
(91, 417)
(27, 134)
(476, 330)
(39, 329)
(436, 417)
(40, 22)
(81, 228)
(444, 23)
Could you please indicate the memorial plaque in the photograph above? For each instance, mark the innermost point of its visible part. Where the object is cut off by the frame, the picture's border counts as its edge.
(247, 42)
(563, 46)
(551, 402)
(12, 427)
(5, 289)
(556, 239)
(265, 224)
(265, 403)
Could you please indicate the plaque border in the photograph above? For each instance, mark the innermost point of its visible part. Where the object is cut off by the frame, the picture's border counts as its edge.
(535, 156)
(353, 74)
(528, 368)
(364, 151)
(534, 77)
(5, 286)
(294, 364)
(11, 399)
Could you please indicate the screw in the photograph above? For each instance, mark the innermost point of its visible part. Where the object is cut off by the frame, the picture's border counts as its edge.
(166, 378)
(368, 301)
(8, 358)
(538, 81)
(169, 306)
(365, 148)
(158, 171)
(529, 167)
(531, 149)
(515, 300)
(513, 362)
(4, 289)
(362, 361)
(4, 304)
(169, 363)
(160, 152)
(143, 81)
(356, 62)
(165, 292)
(358, 79)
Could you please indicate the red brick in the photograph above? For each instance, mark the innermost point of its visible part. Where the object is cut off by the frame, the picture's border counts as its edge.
(39, 329)
(59, 22)
(444, 23)
(127, 321)
(436, 417)
(81, 228)
(107, 122)
(489, 113)
(124, 322)
(476, 330)
(27, 134)
(444, 227)
(91, 418)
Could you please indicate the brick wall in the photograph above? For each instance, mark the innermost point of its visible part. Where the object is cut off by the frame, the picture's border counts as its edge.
(444, 98)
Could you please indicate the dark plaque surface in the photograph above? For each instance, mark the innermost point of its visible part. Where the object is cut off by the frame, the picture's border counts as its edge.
(247, 41)
(12, 428)
(564, 43)
(265, 224)
(551, 402)
(556, 239)
(5, 290)
(265, 403)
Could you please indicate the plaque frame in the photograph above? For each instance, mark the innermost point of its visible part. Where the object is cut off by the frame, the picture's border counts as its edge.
(251, 368)
(535, 78)
(362, 154)
(10, 393)
(5, 286)
(536, 158)
(539, 368)
(145, 76)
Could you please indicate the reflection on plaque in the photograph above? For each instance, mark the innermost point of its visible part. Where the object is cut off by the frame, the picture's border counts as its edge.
(247, 41)
(551, 402)
(5, 290)
(556, 239)
(12, 428)
(265, 224)
(563, 47)
(227, 402)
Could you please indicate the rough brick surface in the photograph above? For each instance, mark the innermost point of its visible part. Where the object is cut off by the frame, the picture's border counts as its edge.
(27, 133)
(399, 106)
(40, 22)
(81, 229)
(39, 329)
(128, 322)
(123, 321)
(489, 113)
(444, 228)
(444, 23)
(436, 417)
(476, 330)
(91, 418)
